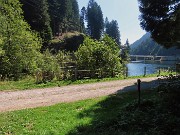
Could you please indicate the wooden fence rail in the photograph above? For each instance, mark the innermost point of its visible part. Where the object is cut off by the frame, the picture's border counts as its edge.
(75, 73)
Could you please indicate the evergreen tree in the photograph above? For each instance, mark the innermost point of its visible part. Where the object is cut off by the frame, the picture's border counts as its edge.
(36, 14)
(76, 17)
(95, 22)
(125, 51)
(55, 16)
(112, 29)
(64, 16)
(162, 19)
(127, 46)
(106, 23)
(82, 20)
(127, 43)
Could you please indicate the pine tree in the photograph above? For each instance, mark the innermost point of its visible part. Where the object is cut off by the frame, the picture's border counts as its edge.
(82, 20)
(75, 17)
(36, 14)
(162, 19)
(127, 45)
(64, 16)
(55, 16)
(46, 31)
(95, 22)
(66, 13)
(106, 23)
(112, 29)
(125, 50)
(70, 16)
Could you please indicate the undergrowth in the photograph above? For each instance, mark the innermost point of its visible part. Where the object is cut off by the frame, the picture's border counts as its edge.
(30, 83)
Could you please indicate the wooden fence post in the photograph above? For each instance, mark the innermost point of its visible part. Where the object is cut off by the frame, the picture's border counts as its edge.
(144, 71)
(159, 71)
(75, 73)
(139, 91)
(126, 72)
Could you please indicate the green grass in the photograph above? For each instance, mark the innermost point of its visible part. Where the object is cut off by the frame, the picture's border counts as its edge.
(112, 115)
(29, 82)
(58, 119)
(61, 118)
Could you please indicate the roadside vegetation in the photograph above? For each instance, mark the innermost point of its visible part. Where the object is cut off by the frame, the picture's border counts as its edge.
(158, 113)
(30, 83)
(45, 51)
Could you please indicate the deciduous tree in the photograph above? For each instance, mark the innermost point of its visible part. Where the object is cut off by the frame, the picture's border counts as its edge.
(19, 46)
(102, 56)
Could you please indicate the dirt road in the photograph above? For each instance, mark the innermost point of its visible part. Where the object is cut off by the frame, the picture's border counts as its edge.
(17, 100)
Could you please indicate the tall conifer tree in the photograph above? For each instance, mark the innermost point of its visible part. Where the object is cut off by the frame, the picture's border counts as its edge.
(36, 14)
(55, 16)
(95, 21)
(64, 16)
(112, 29)
(82, 20)
(76, 17)
(162, 19)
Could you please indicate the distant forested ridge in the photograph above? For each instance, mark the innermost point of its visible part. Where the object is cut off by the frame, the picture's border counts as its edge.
(147, 46)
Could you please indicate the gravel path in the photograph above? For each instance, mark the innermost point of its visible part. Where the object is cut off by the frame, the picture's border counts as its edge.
(18, 100)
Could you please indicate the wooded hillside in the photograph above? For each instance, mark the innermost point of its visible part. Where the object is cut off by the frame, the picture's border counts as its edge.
(147, 46)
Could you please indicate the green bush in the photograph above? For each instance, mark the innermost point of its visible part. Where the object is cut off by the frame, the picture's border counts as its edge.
(64, 59)
(101, 57)
(48, 68)
(19, 46)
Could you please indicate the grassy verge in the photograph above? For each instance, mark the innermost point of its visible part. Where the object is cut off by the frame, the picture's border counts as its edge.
(29, 82)
(116, 114)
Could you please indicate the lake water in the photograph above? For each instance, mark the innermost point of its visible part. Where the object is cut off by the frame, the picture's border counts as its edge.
(137, 68)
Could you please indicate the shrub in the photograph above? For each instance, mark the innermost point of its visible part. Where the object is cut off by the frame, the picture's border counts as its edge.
(48, 68)
(63, 59)
(19, 46)
(101, 57)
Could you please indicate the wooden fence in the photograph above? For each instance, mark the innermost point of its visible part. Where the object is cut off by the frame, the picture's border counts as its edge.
(72, 72)
(76, 73)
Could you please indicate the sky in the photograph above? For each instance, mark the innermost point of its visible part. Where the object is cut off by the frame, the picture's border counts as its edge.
(126, 13)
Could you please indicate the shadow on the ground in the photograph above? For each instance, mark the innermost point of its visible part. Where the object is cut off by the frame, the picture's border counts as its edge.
(144, 86)
(103, 115)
